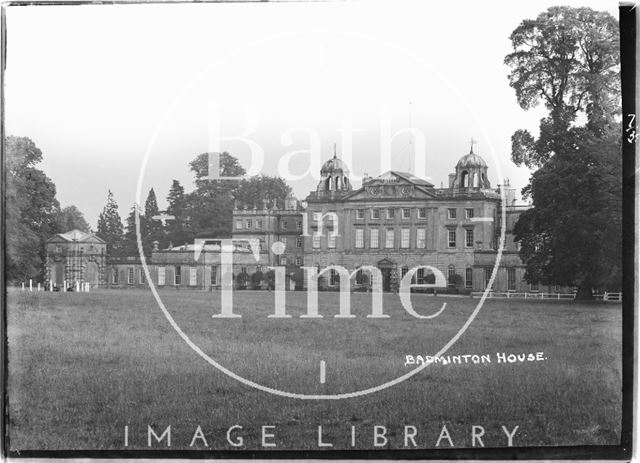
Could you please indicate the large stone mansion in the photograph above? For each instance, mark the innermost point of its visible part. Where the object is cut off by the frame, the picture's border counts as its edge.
(394, 222)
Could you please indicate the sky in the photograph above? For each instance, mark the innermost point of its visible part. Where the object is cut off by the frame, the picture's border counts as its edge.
(122, 97)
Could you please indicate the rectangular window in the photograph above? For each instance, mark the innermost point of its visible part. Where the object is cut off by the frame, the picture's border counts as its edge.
(406, 213)
(360, 214)
(259, 224)
(333, 277)
(283, 240)
(143, 277)
(468, 213)
(375, 213)
(468, 278)
(193, 276)
(239, 224)
(535, 287)
(468, 241)
(422, 213)
(405, 236)
(283, 260)
(451, 213)
(161, 274)
(451, 238)
(511, 279)
(299, 241)
(421, 241)
(177, 278)
(331, 240)
(283, 225)
(130, 276)
(248, 224)
(359, 238)
(213, 276)
(487, 276)
(390, 238)
(114, 276)
(391, 213)
(374, 238)
(420, 276)
(316, 240)
(299, 225)
(451, 271)
(298, 260)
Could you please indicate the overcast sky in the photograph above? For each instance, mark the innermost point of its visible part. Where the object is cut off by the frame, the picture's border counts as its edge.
(99, 87)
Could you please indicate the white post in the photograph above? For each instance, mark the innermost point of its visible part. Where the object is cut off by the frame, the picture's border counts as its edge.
(77, 286)
(50, 285)
(30, 284)
(38, 286)
(23, 286)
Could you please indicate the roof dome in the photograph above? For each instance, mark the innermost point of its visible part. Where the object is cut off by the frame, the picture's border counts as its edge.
(334, 164)
(471, 160)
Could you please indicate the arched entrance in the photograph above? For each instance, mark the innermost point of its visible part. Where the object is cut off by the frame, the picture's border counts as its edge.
(386, 267)
(57, 274)
(92, 274)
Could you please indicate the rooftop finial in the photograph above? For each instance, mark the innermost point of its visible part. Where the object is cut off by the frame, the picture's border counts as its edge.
(472, 141)
(335, 151)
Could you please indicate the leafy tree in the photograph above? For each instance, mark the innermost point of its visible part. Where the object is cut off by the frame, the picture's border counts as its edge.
(573, 235)
(153, 229)
(210, 206)
(110, 226)
(130, 240)
(31, 209)
(178, 230)
(568, 59)
(70, 218)
(253, 191)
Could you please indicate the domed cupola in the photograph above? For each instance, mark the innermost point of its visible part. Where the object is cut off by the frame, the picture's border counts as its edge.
(334, 176)
(471, 172)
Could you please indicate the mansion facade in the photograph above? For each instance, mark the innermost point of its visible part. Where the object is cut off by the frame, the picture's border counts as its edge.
(395, 222)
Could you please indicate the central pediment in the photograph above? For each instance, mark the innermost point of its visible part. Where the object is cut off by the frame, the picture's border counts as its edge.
(394, 185)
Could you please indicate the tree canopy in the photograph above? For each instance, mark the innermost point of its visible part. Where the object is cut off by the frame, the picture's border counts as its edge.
(71, 218)
(110, 226)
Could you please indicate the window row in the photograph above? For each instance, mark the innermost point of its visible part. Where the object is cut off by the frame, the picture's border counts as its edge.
(406, 213)
(258, 224)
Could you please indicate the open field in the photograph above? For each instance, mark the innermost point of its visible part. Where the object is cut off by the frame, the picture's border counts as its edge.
(83, 366)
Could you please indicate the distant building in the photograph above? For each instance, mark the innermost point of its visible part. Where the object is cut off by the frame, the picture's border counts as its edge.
(394, 222)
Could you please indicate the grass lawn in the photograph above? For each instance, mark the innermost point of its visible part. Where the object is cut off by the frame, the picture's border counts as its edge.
(83, 366)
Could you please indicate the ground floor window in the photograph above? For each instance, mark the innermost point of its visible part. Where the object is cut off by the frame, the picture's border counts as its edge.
(535, 287)
(193, 276)
(511, 279)
(334, 278)
(213, 278)
(130, 276)
(177, 276)
(451, 271)
(114, 276)
(161, 275)
(487, 277)
(143, 277)
(468, 278)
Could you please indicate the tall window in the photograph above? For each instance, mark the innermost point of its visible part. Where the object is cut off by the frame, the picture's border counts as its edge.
(299, 241)
(130, 275)
(511, 279)
(451, 213)
(391, 213)
(374, 238)
(161, 275)
(468, 278)
(405, 237)
(249, 224)
(239, 224)
(193, 276)
(114, 276)
(487, 276)
(422, 213)
(360, 214)
(421, 241)
(451, 238)
(420, 276)
(468, 241)
(213, 276)
(316, 240)
(332, 240)
(451, 271)
(406, 213)
(177, 275)
(359, 238)
(298, 260)
(283, 240)
(334, 279)
(468, 213)
(283, 260)
(389, 238)
(259, 224)
(299, 225)
(375, 213)
(283, 225)
(143, 277)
